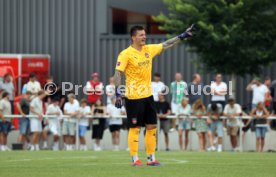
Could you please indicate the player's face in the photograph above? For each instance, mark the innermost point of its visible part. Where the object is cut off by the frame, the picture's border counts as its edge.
(139, 38)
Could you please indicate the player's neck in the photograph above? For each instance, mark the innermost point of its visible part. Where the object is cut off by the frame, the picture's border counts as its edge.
(137, 47)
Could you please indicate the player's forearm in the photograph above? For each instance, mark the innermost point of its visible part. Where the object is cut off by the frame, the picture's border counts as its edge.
(118, 78)
(170, 43)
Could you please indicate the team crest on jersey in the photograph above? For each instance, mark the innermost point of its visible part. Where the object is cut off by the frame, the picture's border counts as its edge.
(118, 63)
(146, 55)
(134, 120)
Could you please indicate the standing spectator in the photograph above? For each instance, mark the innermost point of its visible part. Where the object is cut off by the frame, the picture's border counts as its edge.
(33, 85)
(115, 123)
(184, 109)
(110, 90)
(5, 124)
(268, 97)
(260, 115)
(7, 86)
(24, 123)
(199, 110)
(179, 89)
(163, 110)
(214, 112)
(194, 89)
(83, 123)
(259, 91)
(69, 123)
(157, 86)
(98, 110)
(36, 109)
(231, 111)
(54, 122)
(218, 91)
(94, 89)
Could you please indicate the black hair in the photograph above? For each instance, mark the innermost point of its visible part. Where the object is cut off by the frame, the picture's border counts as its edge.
(32, 75)
(134, 29)
(157, 74)
(5, 94)
(214, 107)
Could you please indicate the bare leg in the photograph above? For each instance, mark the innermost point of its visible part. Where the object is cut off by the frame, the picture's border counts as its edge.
(180, 135)
(186, 139)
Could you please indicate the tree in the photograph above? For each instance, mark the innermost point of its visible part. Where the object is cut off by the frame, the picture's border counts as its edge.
(235, 37)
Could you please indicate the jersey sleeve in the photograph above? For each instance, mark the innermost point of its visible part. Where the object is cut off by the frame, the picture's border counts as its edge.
(122, 62)
(155, 49)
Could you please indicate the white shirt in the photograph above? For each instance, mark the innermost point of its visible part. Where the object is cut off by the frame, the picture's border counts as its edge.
(84, 110)
(236, 109)
(54, 109)
(218, 88)
(71, 108)
(33, 87)
(113, 112)
(36, 103)
(156, 88)
(5, 107)
(181, 110)
(110, 90)
(259, 93)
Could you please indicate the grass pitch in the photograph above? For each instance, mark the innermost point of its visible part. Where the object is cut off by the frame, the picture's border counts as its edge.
(117, 164)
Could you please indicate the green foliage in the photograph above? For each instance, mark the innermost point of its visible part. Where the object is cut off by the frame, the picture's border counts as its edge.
(234, 37)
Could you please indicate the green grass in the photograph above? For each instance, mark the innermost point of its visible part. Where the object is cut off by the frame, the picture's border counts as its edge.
(117, 164)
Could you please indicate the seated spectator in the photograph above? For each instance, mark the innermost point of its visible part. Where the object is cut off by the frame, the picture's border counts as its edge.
(7, 86)
(231, 111)
(36, 110)
(115, 123)
(84, 111)
(163, 110)
(71, 109)
(5, 123)
(260, 115)
(214, 112)
(98, 110)
(53, 123)
(199, 110)
(33, 85)
(184, 109)
(24, 122)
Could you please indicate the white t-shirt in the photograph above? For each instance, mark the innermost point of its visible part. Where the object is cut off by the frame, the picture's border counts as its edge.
(5, 107)
(110, 90)
(33, 87)
(54, 109)
(181, 110)
(71, 108)
(113, 111)
(259, 93)
(236, 109)
(84, 121)
(218, 88)
(36, 103)
(156, 88)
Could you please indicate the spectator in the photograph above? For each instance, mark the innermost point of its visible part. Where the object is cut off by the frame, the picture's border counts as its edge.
(260, 114)
(110, 90)
(54, 122)
(194, 89)
(157, 86)
(69, 123)
(36, 110)
(33, 85)
(201, 127)
(5, 124)
(268, 97)
(24, 123)
(218, 91)
(231, 111)
(178, 91)
(98, 110)
(115, 123)
(259, 91)
(184, 109)
(7, 86)
(84, 111)
(214, 112)
(94, 89)
(163, 110)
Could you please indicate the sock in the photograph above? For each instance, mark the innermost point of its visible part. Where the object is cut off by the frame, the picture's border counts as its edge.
(133, 137)
(151, 158)
(45, 144)
(150, 141)
(135, 158)
(36, 147)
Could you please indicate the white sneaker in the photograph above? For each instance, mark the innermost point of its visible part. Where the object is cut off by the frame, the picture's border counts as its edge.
(116, 148)
(219, 148)
(172, 130)
(37, 147)
(98, 148)
(2, 148)
(84, 148)
(212, 148)
(127, 149)
(32, 148)
(237, 149)
(7, 148)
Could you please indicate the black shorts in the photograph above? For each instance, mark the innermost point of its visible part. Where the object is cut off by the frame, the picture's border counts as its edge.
(141, 112)
(98, 129)
(114, 128)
